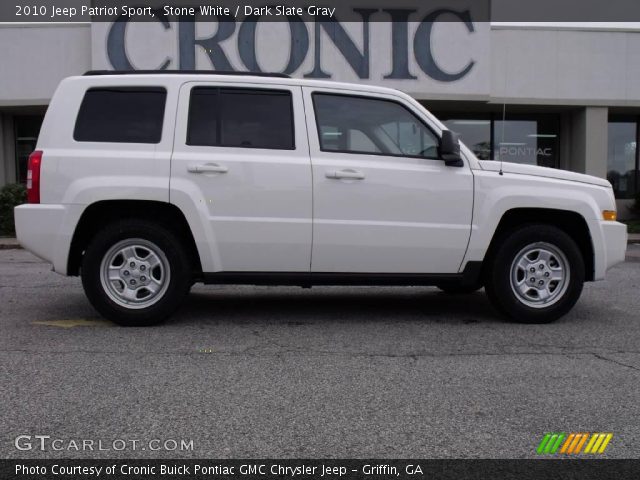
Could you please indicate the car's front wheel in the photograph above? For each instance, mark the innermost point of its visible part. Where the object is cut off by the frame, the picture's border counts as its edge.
(535, 275)
(135, 273)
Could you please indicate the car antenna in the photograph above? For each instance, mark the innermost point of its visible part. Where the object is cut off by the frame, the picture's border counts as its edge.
(504, 116)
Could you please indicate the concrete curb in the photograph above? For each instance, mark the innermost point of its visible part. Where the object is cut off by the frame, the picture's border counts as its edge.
(9, 243)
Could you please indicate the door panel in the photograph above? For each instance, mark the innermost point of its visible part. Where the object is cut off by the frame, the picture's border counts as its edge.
(384, 211)
(254, 202)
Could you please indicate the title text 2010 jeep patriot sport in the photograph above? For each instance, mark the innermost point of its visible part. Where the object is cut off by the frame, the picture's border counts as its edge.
(146, 183)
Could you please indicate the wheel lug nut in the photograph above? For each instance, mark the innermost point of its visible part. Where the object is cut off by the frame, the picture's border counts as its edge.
(532, 280)
(541, 283)
(132, 282)
(143, 268)
(126, 273)
(132, 264)
(546, 274)
(532, 269)
(143, 279)
(541, 267)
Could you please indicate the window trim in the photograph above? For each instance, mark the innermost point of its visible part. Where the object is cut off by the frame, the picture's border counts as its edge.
(219, 89)
(145, 88)
(371, 97)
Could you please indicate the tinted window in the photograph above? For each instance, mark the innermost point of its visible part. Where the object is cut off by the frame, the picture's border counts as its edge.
(368, 125)
(238, 117)
(127, 115)
(203, 117)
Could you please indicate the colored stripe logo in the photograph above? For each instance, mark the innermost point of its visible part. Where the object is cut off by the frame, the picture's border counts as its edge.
(574, 443)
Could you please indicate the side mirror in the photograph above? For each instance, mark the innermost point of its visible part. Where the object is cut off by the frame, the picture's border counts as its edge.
(450, 149)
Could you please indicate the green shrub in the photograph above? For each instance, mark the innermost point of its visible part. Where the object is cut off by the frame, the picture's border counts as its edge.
(11, 196)
(635, 208)
(633, 226)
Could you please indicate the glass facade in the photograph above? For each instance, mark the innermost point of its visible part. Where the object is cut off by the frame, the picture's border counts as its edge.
(530, 139)
(622, 158)
(475, 133)
(534, 141)
(26, 130)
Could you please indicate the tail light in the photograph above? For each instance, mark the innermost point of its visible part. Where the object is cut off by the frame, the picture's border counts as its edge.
(33, 177)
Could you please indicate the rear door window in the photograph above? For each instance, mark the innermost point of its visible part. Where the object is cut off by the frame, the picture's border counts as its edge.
(241, 117)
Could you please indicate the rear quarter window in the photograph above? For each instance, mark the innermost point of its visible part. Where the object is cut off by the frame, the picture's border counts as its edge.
(121, 115)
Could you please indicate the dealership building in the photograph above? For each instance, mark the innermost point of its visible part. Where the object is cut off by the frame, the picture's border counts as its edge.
(558, 96)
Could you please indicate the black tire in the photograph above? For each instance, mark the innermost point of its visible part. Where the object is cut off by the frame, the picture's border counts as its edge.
(498, 277)
(459, 289)
(175, 269)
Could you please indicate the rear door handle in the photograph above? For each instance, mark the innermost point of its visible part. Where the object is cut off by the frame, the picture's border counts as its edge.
(206, 168)
(347, 174)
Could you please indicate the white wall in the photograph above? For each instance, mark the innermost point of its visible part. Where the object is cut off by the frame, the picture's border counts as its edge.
(34, 58)
(521, 65)
(565, 66)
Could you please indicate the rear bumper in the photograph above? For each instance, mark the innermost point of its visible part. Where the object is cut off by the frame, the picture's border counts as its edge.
(614, 247)
(47, 230)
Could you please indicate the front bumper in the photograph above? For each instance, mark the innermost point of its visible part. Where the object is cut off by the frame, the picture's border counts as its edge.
(614, 246)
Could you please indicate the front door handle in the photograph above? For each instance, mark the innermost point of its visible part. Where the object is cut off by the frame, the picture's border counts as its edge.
(347, 174)
(206, 168)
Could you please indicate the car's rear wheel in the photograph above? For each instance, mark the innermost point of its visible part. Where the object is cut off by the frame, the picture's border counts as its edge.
(135, 273)
(535, 275)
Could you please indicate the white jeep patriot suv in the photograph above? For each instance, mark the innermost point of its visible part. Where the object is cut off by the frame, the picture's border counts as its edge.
(144, 183)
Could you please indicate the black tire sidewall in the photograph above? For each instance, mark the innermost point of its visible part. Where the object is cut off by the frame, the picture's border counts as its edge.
(165, 240)
(498, 285)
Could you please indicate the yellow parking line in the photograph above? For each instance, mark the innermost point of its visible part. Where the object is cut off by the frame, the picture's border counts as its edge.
(79, 322)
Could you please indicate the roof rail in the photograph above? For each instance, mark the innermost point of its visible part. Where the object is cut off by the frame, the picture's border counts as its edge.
(189, 72)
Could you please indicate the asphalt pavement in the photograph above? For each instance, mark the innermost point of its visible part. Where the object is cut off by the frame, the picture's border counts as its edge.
(337, 372)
